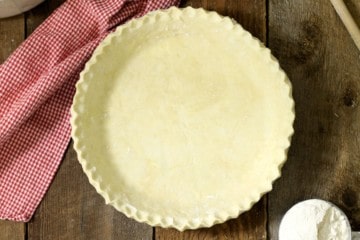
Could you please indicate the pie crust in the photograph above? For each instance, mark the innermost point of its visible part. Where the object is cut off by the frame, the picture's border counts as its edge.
(182, 119)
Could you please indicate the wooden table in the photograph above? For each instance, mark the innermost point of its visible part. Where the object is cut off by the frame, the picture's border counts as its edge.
(323, 64)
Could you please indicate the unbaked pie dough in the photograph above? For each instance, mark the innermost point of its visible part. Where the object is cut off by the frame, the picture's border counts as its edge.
(182, 119)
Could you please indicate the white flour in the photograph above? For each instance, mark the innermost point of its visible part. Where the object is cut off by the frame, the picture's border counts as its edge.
(314, 220)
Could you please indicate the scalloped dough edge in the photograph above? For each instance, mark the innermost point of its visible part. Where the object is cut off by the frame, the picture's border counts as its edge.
(180, 224)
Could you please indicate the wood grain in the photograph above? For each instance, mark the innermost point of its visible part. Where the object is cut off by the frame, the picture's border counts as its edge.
(323, 65)
(71, 208)
(11, 35)
(12, 230)
(36, 16)
(251, 225)
(347, 20)
(251, 14)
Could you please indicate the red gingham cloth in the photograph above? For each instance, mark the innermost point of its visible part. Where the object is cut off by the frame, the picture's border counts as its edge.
(37, 84)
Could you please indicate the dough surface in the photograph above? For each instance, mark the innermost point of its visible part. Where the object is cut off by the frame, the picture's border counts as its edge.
(185, 118)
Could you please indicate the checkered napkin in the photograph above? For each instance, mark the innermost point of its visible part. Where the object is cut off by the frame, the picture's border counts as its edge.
(37, 84)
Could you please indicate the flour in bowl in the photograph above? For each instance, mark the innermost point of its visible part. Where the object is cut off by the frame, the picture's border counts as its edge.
(314, 220)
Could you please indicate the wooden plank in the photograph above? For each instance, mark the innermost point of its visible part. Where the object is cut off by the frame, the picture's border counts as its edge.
(249, 226)
(324, 66)
(251, 14)
(36, 16)
(12, 230)
(72, 209)
(11, 35)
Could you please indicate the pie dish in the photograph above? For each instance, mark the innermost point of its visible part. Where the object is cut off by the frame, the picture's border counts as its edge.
(182, 119)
